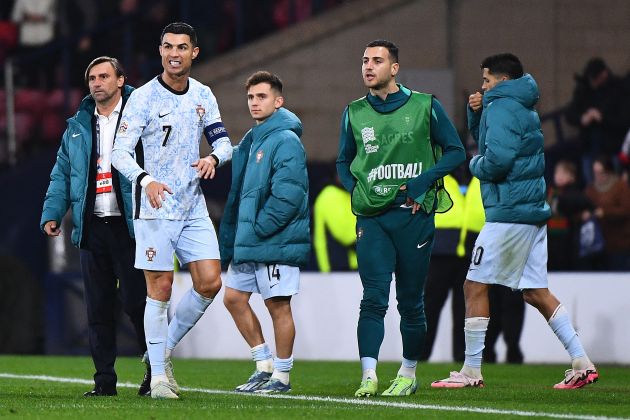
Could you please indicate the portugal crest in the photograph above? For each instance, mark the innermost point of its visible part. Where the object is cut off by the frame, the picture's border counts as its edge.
(122, 128)
(150, 253)
(259, 156)
(201, 111)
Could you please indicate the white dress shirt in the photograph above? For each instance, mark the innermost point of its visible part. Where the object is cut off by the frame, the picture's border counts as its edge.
(106, 204)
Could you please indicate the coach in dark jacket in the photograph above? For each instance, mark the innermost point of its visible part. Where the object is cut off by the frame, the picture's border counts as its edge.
(84, 180)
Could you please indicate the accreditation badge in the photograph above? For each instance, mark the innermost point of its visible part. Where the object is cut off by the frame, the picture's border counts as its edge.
(103, 182)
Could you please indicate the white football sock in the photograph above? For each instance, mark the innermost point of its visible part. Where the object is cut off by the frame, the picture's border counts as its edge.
(475, 334)
(408, 368)
(189, 309)
(369, 373)
(281, 369)
(155, 329)
(263, 358)
(563, 329)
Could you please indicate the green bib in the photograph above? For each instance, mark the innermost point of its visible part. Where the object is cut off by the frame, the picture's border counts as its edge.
(391, 149)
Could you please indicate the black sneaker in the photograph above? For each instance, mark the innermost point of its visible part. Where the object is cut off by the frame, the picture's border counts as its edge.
(145, 386)
(99, 391)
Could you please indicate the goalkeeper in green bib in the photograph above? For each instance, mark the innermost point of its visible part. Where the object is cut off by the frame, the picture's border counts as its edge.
(395, 147)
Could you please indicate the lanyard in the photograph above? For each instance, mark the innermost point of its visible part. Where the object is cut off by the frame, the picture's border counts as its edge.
(98, 138)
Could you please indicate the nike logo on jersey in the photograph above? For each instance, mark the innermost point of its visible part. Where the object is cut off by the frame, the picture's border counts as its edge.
(76, 135)
(162, 115)
(422, 245)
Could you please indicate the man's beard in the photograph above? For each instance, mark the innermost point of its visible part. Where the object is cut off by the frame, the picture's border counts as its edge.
(380, 84)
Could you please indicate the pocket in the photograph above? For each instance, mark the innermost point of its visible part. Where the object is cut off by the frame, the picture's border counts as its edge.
(250, 203)
(504, 192)
(490, 195)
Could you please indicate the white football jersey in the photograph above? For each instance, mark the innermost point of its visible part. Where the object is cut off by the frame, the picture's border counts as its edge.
(159, 134)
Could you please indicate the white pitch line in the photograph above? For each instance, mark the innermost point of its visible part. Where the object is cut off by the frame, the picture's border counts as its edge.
(349, 401)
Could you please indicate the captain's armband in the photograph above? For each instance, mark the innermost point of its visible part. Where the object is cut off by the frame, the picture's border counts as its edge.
(215, 131)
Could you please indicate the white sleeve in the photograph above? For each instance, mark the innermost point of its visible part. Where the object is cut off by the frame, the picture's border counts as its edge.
(132, 123)
(215, 132)
(222, 149)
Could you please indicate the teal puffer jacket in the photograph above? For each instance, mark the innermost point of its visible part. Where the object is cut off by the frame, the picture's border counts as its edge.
(69, 177)
(266, 217)
(511, 160)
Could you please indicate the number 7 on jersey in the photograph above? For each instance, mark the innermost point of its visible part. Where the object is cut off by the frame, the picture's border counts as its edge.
(167, 130)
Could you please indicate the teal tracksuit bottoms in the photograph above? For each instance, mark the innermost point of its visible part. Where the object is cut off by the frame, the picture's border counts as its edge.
(395, 242)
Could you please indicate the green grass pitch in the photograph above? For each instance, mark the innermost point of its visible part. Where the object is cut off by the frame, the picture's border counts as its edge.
(52, 387)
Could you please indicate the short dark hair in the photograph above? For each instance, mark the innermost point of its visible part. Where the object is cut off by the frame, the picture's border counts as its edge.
(606, 162)
(118, 68)
(180, 28)
(391, 47)
(567, 166)
(505, 63)
(264, 77)
(594, 67)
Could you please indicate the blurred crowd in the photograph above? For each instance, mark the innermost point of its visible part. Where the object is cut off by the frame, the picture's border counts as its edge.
(589, 191)
(51, 42)
(116, 28)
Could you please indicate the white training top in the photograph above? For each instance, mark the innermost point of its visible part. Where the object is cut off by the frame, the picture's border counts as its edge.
(169, 125)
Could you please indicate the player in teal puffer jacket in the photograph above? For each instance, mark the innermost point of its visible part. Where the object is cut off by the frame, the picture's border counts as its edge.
(510, 163)
(264, 235)
(266, 217)
(511, 249)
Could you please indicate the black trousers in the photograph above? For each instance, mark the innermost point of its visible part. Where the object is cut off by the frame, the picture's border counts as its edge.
(109, 275)
(446, 274)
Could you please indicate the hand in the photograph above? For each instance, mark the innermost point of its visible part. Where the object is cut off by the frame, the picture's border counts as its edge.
(414, 206)
(475, 101)
(599, 212)
(51, 228)
(205, 167)
(155, 192)
(410, 203)
(596, 115)
(591, 115)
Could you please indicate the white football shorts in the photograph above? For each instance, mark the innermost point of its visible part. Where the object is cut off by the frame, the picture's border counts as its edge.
(269, 280)
(510, 254)
(158, 239)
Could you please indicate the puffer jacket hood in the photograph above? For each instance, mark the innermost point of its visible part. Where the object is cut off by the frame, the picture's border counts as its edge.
(523, 90)
(281, 120)
(511, 161)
